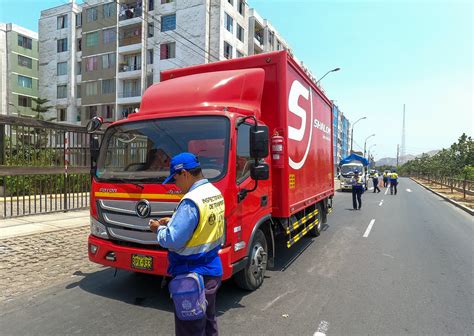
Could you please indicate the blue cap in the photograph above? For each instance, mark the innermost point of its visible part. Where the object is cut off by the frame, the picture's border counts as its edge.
(182, 161)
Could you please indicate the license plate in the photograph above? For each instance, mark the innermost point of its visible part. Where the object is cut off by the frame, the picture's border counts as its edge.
(142, 262)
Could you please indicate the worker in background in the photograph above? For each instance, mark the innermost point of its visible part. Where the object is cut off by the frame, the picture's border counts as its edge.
(393, 182)
(375, 180)
(357, 190)
(193, 237)
(385, 179)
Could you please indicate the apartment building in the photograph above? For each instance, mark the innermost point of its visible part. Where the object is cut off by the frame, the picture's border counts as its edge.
(341, 135)
(263, 37)
(18, 69)
(98, 57)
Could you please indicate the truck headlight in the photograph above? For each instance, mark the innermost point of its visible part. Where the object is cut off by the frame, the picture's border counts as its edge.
(98, 229)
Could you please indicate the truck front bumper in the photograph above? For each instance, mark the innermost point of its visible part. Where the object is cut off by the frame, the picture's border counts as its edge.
(108, 253)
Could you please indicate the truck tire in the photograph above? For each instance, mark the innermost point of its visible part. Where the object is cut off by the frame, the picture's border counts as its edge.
(251, 277)
(316, 230)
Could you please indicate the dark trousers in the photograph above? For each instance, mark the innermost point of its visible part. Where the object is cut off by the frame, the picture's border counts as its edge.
(356, 193)
(385, 182)
(208, 325)
(393, 186)
(376, 184)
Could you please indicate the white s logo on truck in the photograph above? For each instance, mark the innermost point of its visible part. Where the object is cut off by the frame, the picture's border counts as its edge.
(297, 90)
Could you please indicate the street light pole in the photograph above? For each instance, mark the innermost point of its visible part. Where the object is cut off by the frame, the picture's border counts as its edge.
(365, 142)
(333, 70)
(352, 130)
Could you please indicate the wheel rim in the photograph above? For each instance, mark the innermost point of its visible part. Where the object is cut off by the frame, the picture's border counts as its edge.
(258, 262)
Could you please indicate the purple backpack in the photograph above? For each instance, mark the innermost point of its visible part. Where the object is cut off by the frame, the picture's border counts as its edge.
(189, 297)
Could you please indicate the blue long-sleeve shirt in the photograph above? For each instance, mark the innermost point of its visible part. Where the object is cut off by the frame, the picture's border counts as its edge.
(177, 233)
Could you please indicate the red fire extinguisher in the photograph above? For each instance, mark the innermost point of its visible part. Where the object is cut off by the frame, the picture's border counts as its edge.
(277, 150)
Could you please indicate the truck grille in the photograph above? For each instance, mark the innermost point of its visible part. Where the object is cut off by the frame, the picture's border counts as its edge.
(124, 225)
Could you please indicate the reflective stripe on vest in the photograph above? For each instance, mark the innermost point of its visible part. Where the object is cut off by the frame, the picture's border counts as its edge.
(209, 232)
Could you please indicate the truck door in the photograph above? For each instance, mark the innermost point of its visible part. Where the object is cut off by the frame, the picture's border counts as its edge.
(246, 209)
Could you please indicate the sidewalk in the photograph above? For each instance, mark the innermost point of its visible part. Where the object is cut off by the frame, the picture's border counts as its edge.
(28, 225)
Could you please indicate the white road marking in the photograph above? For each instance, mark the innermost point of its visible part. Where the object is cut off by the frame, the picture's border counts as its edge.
(322, 329)
(371, 188)
(388, 255)
(366, 234)
(276, 299)
(381, 202)
(386, 191)
(409, 190)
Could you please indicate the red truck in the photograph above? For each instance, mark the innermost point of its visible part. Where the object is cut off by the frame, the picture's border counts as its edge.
(262, 131)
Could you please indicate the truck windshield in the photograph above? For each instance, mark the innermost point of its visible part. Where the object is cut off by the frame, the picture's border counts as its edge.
(141, 151)
(349, 169)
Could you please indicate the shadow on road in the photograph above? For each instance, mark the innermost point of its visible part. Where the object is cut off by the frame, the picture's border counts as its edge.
(145, 290)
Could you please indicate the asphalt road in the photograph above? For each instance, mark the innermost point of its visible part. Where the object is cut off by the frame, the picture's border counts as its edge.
(411, 273)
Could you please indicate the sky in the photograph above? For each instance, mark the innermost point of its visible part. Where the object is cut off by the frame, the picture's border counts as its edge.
(413, 52)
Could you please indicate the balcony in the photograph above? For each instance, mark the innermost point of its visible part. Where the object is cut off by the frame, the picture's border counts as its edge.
(129, 71)
(130, 11)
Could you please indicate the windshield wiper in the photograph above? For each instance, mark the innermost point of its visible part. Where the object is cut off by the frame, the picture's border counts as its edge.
(126, 181)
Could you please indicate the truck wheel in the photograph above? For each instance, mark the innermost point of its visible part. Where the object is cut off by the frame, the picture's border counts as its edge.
(251, 277)
(316, 230)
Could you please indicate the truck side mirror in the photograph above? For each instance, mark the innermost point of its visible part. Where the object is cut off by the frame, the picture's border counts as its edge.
(94, 150)
(259, 142)
(94, 124)
(260, 171)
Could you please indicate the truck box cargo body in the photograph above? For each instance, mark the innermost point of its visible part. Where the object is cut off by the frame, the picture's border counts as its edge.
(208, 110)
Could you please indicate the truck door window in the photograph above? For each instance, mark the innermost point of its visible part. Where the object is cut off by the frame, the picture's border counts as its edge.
(243, 161)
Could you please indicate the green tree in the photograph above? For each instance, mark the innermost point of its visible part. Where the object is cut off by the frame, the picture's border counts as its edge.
(41, 108)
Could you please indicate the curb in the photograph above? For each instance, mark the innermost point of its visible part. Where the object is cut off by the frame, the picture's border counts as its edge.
(460, 206)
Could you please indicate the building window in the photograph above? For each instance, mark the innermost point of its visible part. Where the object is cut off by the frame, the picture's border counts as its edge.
(166, 1)
(62, 22)
(91, 63)
(91, 89)
(108, 61)
(278, 45)
(61, 114)
(151, 5)
(149, 80)
(91, 14)
(151, 29)
(79, 44)
(227, 50)
(108, 111)
(131, 88)
(239, 54)
(109, 35)
(25, 62)
(78, 91)
(108, 10)
(24, 42)
(167, 50)
(61, 91)
(240, 33)
(149, 59)
(168, 22)
(26, 82)
(61, 69)
(132, 62)
(78, 19)
(79, 68)
(241, 7)
(229, 22)
(24, 101)
(62, 45)
(92, 39)
(108, 86)
(91, 111)
(231, 2)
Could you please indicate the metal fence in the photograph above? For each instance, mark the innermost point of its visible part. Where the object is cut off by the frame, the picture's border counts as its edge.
(44, 167)
(461, 185)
